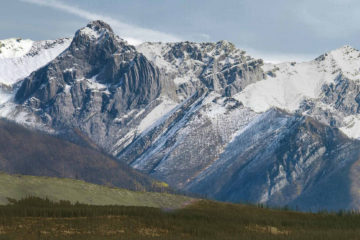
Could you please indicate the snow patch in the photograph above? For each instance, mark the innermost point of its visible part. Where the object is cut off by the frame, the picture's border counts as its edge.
(157, 113)
(352, 126)
(14, 47)
(96, 86)
(90, 32)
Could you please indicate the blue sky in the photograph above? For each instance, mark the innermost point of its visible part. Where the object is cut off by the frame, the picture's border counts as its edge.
(274, 30)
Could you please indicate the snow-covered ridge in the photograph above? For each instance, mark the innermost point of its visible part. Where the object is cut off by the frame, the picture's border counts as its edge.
(14, 47)
(23, 57)
(288, 84)
(285, 86)
(190, 56)
(193, 65)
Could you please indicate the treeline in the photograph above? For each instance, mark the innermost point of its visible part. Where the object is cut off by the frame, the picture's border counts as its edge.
(36, 218)
(38, 207)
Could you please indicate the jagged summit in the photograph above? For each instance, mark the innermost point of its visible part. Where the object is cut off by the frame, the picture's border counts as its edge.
(345, 52)
(95, 30)
(226, 45)
(346, 49)
(99, 35)
(98, 25)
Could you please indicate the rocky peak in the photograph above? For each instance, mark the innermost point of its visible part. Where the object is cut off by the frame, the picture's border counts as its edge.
(99, 25)
(202, 51)
(226, 46)
(344, 60)
(96, 60)
(97, 43)
(345, 52)
(95, 30)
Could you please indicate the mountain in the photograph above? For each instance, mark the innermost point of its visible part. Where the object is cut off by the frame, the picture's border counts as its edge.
(205, 117)
(56, 189)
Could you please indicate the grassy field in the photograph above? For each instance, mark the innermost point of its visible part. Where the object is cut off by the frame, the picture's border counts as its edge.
(34, 218)
(21, 186)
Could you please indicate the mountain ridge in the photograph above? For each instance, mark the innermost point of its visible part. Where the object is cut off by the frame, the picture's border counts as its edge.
(186, 112)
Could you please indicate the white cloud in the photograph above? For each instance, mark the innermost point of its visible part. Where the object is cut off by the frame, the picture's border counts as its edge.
(131, 33)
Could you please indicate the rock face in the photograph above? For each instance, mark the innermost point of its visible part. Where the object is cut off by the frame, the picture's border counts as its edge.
(205, 117)
(96, 55)
(219, 67)
(338, 105)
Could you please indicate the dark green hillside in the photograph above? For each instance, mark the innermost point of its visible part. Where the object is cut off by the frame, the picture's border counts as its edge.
(29, 152)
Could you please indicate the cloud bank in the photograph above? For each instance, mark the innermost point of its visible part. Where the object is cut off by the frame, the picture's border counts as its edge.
(131, 33)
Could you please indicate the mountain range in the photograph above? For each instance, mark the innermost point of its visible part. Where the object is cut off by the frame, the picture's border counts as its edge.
(206, 118)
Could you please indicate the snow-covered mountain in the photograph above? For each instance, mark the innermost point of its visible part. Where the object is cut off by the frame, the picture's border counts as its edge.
(204, 117)
(326, 88)
(19, 58)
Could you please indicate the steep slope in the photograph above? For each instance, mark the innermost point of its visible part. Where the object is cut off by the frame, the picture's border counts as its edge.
(189, 140)
(284, 159)
(222, 150)
(21, 186)
(24, 151)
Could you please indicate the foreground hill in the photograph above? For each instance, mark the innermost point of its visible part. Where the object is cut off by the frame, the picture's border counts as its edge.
(21, 186)
(30, 152)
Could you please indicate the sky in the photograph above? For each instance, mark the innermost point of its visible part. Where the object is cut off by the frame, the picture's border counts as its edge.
(277, 30)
